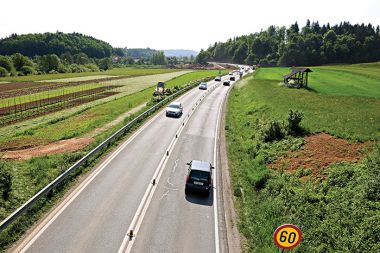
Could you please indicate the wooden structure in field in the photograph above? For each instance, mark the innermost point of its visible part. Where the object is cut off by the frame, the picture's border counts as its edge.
(297, 78)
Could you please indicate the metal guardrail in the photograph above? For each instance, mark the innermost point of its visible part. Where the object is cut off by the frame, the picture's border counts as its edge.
(83, 161)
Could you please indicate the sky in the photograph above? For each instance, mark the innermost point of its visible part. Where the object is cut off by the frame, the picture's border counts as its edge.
(175, 24)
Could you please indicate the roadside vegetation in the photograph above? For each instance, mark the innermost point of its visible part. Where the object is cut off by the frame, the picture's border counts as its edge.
(21, 179)
(336, 205)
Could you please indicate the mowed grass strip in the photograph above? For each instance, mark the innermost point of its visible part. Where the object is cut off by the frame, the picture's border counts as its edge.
(93, 117)
(129, 71)
(340, 80)
(350, 117)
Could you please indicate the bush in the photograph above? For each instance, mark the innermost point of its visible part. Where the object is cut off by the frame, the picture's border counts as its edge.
(5, 181)
(27, 70)
(272, 130)
(92, 67)
(75, 68)
(3, 72)
(63, 69)
(294, 120)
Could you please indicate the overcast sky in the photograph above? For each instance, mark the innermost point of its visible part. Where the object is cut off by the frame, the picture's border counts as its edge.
(178, 24)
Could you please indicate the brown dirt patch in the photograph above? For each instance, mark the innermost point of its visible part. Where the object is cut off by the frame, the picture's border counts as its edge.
(59, 147)
(319, 152)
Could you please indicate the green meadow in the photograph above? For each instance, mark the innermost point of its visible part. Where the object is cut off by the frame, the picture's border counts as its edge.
(337, 211)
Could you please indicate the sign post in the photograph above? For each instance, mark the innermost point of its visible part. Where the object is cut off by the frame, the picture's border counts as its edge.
(287, 236)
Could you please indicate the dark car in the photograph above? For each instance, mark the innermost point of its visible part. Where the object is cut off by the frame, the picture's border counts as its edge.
(232, 78)
(226, 83)
(218, 78)
(199, 177)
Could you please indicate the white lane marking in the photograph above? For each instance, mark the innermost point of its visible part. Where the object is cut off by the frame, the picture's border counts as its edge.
(127, 243)
(87, 181)
(61, 208)
(216, 220)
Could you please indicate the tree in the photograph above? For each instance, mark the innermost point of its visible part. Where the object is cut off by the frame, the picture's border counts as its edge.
(3, 72)
(81, 59)
(105, 63)
(6, 63)
(49, 63)
(20, 61)
(158, 58)
(202, 57)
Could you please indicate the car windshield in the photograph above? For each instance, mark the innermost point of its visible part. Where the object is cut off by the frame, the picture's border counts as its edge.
(198, 175)
(175, 106)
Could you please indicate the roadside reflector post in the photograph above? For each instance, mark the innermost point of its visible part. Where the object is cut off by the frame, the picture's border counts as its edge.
(130, 234)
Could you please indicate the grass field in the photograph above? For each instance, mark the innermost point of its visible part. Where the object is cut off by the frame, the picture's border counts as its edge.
(341, 80)
(111, 72)
(338, 212)
(97, 115)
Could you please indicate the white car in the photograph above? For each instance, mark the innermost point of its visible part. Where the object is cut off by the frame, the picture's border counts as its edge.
(203, 86)
(174, 109)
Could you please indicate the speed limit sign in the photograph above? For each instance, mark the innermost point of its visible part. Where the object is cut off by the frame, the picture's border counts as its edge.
(287, 236)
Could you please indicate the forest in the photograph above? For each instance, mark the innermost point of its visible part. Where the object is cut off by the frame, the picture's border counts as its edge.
(311, 45)
(55, 43)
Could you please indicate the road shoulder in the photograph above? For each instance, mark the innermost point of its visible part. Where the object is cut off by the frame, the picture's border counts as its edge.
(233, 237)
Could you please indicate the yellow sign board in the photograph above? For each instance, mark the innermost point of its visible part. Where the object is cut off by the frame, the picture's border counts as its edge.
(287, 236)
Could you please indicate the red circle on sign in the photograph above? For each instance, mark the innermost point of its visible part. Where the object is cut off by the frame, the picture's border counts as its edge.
(287, 226)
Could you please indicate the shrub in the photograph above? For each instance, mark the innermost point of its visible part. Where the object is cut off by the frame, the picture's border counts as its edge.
(63, 69)
(27, 70)
(3, 72)
(294, 120)
(92, 67)
(272, 130)
(5, 181)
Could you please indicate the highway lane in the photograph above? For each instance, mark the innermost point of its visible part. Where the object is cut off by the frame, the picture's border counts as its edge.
(176, 222)
(97, 218)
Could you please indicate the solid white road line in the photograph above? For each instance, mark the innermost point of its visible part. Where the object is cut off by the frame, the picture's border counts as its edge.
(24, 246)
(85, 183)
(127, 244)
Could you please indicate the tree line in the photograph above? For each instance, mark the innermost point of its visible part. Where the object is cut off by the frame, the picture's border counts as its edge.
(55, 43)
(310, 45)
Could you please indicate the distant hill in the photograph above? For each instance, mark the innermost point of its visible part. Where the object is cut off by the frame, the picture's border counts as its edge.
(140, 52)
(179, 53)
(55, 43)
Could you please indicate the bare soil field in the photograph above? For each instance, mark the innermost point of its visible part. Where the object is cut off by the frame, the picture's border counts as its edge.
(320, 151)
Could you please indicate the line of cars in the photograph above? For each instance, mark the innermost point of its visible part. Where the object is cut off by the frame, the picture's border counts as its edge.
(199, 173)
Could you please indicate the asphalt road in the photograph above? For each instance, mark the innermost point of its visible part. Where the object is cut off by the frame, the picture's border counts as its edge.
(176, 222)
(100, 212)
